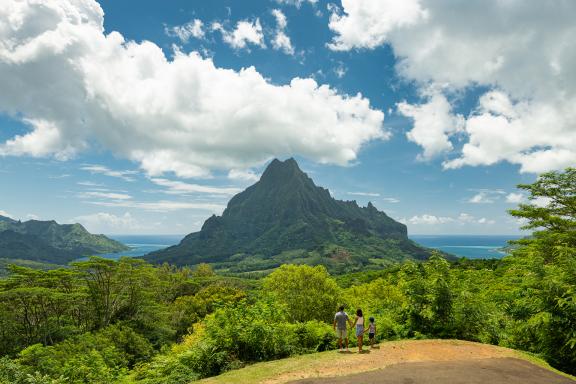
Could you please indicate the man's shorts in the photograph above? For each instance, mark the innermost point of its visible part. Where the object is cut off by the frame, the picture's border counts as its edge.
(341, 333)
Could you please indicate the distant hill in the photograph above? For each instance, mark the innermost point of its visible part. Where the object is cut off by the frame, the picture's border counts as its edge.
(50, 242)
(285, 218)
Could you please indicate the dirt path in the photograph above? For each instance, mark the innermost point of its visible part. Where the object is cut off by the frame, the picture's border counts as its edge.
(402, 362)
(493, 371)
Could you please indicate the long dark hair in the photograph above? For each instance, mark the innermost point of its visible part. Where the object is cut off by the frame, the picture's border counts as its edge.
(359, 312)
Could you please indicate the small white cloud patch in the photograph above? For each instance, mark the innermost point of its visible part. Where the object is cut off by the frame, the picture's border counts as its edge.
(281, 41)
(194, 28)
(246, 32)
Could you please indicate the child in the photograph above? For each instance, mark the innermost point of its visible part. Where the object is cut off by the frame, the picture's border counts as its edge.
(359, 323)
(371, 332)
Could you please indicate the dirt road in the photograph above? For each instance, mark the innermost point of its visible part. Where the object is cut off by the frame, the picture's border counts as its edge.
(484, 371)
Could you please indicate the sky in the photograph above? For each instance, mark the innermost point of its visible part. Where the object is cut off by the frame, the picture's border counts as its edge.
(146, 117)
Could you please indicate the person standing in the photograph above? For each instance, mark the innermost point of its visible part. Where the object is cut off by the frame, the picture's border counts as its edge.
(341, 320)
(359, 323)
(371, 332)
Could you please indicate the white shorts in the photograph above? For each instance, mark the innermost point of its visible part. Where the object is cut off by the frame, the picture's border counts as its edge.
(341, 333)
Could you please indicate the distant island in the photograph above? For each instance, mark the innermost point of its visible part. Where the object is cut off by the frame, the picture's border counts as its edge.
(50, 242)
(286, 218)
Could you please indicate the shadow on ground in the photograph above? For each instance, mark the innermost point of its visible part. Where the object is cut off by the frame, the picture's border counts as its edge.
(482, 371)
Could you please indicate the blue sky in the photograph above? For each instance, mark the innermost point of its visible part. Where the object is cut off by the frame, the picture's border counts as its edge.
(151, 123)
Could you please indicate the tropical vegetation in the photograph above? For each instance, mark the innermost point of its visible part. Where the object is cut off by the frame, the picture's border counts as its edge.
(126, 321)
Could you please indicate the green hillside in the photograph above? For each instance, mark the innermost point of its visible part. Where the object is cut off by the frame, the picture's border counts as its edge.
(50, 242)
(286, 218)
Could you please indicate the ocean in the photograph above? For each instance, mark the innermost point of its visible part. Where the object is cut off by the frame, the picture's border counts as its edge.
(141, 244)
(470, 246)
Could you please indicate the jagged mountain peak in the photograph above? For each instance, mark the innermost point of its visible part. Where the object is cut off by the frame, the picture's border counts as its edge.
(285, 211)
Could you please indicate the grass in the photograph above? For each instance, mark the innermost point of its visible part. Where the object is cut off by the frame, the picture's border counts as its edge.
(331, 363)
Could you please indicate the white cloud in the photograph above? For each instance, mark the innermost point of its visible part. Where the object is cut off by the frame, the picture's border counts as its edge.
(181, 188)
(514, 198)
(6, 214)
(161, 206)
(103, 170)
(541, 201)
(31, 216)
(194, 28)
(281, 41)
(461, 219)
(391, 200)
(244, 175)
(368, 194)
(465, 218)
(296, 3)
(486, 196)
(430, 220)
(340, 70)
(246, 32)
(89, 184)
(481, 198)
(366, 23)
(523, 52)
(78, 88)
(433, 124)
(103, 222)
(104, 195)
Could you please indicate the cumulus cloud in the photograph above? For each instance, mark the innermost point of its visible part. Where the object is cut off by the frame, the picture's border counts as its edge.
(281, 41)
(434, 123)
(103, 222)
(461, 219)
(523, 52)
(194, 28)
(76, 86)
(366, 23)
(430, 219)
(246, 32)
(486, 196)
(514, 198)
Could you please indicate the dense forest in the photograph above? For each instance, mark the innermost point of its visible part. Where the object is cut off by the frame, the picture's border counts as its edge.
(126, 321)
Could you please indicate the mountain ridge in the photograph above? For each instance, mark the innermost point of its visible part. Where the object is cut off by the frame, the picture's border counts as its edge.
(48, 241)
(286, 212)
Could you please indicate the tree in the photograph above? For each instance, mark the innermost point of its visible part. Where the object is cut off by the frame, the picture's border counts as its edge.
(309, 293)
(552, 209)
(547, 303)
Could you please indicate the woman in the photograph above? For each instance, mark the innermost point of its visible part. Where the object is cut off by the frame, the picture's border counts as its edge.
(359, 323)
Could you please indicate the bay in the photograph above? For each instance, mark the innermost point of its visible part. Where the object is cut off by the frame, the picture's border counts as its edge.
(469, 246)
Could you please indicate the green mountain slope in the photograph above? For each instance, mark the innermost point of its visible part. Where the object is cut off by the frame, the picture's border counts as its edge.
(50, 242)
(285, 217)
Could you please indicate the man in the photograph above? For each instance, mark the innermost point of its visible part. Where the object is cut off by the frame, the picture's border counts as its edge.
(340, 320)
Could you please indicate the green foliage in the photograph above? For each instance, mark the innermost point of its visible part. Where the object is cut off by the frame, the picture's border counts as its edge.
(50, 242)
(309, 293)
(233, 336)
(104, 321)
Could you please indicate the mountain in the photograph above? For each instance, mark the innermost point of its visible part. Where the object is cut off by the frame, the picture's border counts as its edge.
(285, 217)
(50, 242)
